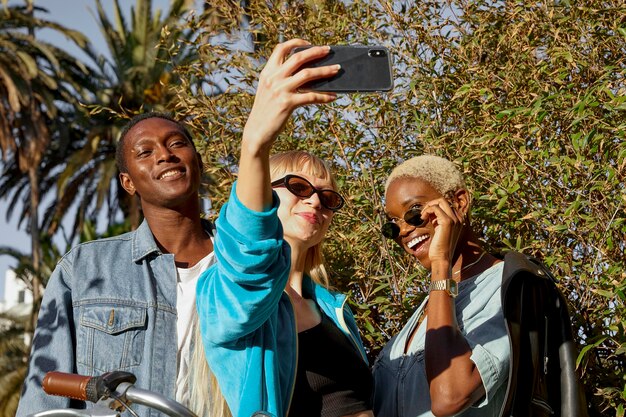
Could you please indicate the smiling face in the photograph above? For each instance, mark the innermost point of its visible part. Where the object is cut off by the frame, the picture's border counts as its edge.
(163, 166)
(403, 194)
(304, 220)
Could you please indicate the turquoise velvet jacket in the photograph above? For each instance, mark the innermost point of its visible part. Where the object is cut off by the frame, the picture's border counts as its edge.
(246, 319)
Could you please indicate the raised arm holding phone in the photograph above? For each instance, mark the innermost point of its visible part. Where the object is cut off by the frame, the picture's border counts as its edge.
(275, 337)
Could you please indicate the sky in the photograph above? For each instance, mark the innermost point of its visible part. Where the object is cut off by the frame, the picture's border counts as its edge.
(78, 15)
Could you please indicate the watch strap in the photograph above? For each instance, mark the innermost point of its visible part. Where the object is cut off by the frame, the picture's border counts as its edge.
(447, 285)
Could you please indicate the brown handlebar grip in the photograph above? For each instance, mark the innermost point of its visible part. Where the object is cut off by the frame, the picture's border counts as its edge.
(66, 385)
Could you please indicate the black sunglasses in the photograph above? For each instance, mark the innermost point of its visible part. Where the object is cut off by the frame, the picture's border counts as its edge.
(300, 187)
(413, 216)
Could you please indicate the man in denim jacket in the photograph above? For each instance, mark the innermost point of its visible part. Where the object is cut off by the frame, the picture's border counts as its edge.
(112, 304)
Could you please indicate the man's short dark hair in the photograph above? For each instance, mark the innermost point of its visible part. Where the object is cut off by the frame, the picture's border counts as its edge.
(120, 158)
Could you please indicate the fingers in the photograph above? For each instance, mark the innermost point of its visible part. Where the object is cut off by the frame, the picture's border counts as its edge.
(294, 63)
(442, 212)
(301, 76)
(447, 227)
(282, 50)
(311, 97)
(285, 68)
(278, 94)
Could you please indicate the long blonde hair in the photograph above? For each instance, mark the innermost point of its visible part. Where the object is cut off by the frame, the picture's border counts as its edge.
(302, 161)
(205, 396)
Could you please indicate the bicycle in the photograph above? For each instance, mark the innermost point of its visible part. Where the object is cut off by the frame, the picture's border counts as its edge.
(112, 392)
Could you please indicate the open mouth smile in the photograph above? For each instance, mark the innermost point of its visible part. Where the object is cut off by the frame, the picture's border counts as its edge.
(170, 173)
(416, 241)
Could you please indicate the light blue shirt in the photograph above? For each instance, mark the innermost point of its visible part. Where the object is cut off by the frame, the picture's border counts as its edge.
(401, 387)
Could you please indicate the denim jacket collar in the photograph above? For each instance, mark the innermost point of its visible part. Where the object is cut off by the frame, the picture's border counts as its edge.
(144, 243)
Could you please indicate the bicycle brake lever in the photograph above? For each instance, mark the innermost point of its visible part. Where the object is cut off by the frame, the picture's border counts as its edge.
(105, 384)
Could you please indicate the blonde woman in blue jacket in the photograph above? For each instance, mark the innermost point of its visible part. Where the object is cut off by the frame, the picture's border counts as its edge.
(275, 337)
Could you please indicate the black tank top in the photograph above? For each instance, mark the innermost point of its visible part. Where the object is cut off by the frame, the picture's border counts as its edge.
(332, 379)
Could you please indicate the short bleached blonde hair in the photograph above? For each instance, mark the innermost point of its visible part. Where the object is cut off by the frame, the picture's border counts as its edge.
(439, 172)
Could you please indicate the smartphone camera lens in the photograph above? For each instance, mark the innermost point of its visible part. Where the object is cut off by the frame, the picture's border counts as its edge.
(376, 53)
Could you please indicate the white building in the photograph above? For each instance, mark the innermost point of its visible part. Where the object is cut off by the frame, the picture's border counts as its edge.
(17, 298)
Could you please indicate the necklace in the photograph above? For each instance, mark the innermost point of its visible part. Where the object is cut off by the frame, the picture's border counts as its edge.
(470, 265)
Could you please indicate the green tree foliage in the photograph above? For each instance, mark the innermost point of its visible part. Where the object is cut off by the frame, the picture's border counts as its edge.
(527, 97)
(37, 81)
(136, 78)
(46, 132)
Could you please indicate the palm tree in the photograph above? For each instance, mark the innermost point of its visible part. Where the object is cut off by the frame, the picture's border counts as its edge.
(138, 77)
(36, 80)
(67, 137)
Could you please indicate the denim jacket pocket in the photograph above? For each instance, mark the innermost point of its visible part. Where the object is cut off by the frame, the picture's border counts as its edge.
(110, 336)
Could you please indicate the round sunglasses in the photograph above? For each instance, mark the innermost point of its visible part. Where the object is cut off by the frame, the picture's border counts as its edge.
(300, 187)
(413, 216)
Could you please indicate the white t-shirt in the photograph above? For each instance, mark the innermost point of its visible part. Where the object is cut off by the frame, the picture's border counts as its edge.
(186, 308)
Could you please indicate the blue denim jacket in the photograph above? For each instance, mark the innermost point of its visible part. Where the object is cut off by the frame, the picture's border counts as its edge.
(110, 304)
(246, 319)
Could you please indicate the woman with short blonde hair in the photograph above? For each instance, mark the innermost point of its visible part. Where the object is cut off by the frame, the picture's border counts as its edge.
(452, 357)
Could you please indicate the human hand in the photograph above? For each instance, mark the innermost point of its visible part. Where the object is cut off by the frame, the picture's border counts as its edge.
(447, 222)
(278, 90)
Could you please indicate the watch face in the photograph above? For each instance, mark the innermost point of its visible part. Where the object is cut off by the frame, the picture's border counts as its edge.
(454, 288)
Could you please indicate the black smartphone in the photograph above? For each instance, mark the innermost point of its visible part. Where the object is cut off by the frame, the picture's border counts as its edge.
(363, 69)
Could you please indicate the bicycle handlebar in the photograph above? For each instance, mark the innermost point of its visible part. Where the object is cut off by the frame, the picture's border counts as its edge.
(157, 402)
(74, 386)
(106, 389)
(85, 388)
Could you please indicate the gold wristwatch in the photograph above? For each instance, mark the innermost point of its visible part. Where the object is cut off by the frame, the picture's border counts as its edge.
(447, 285)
